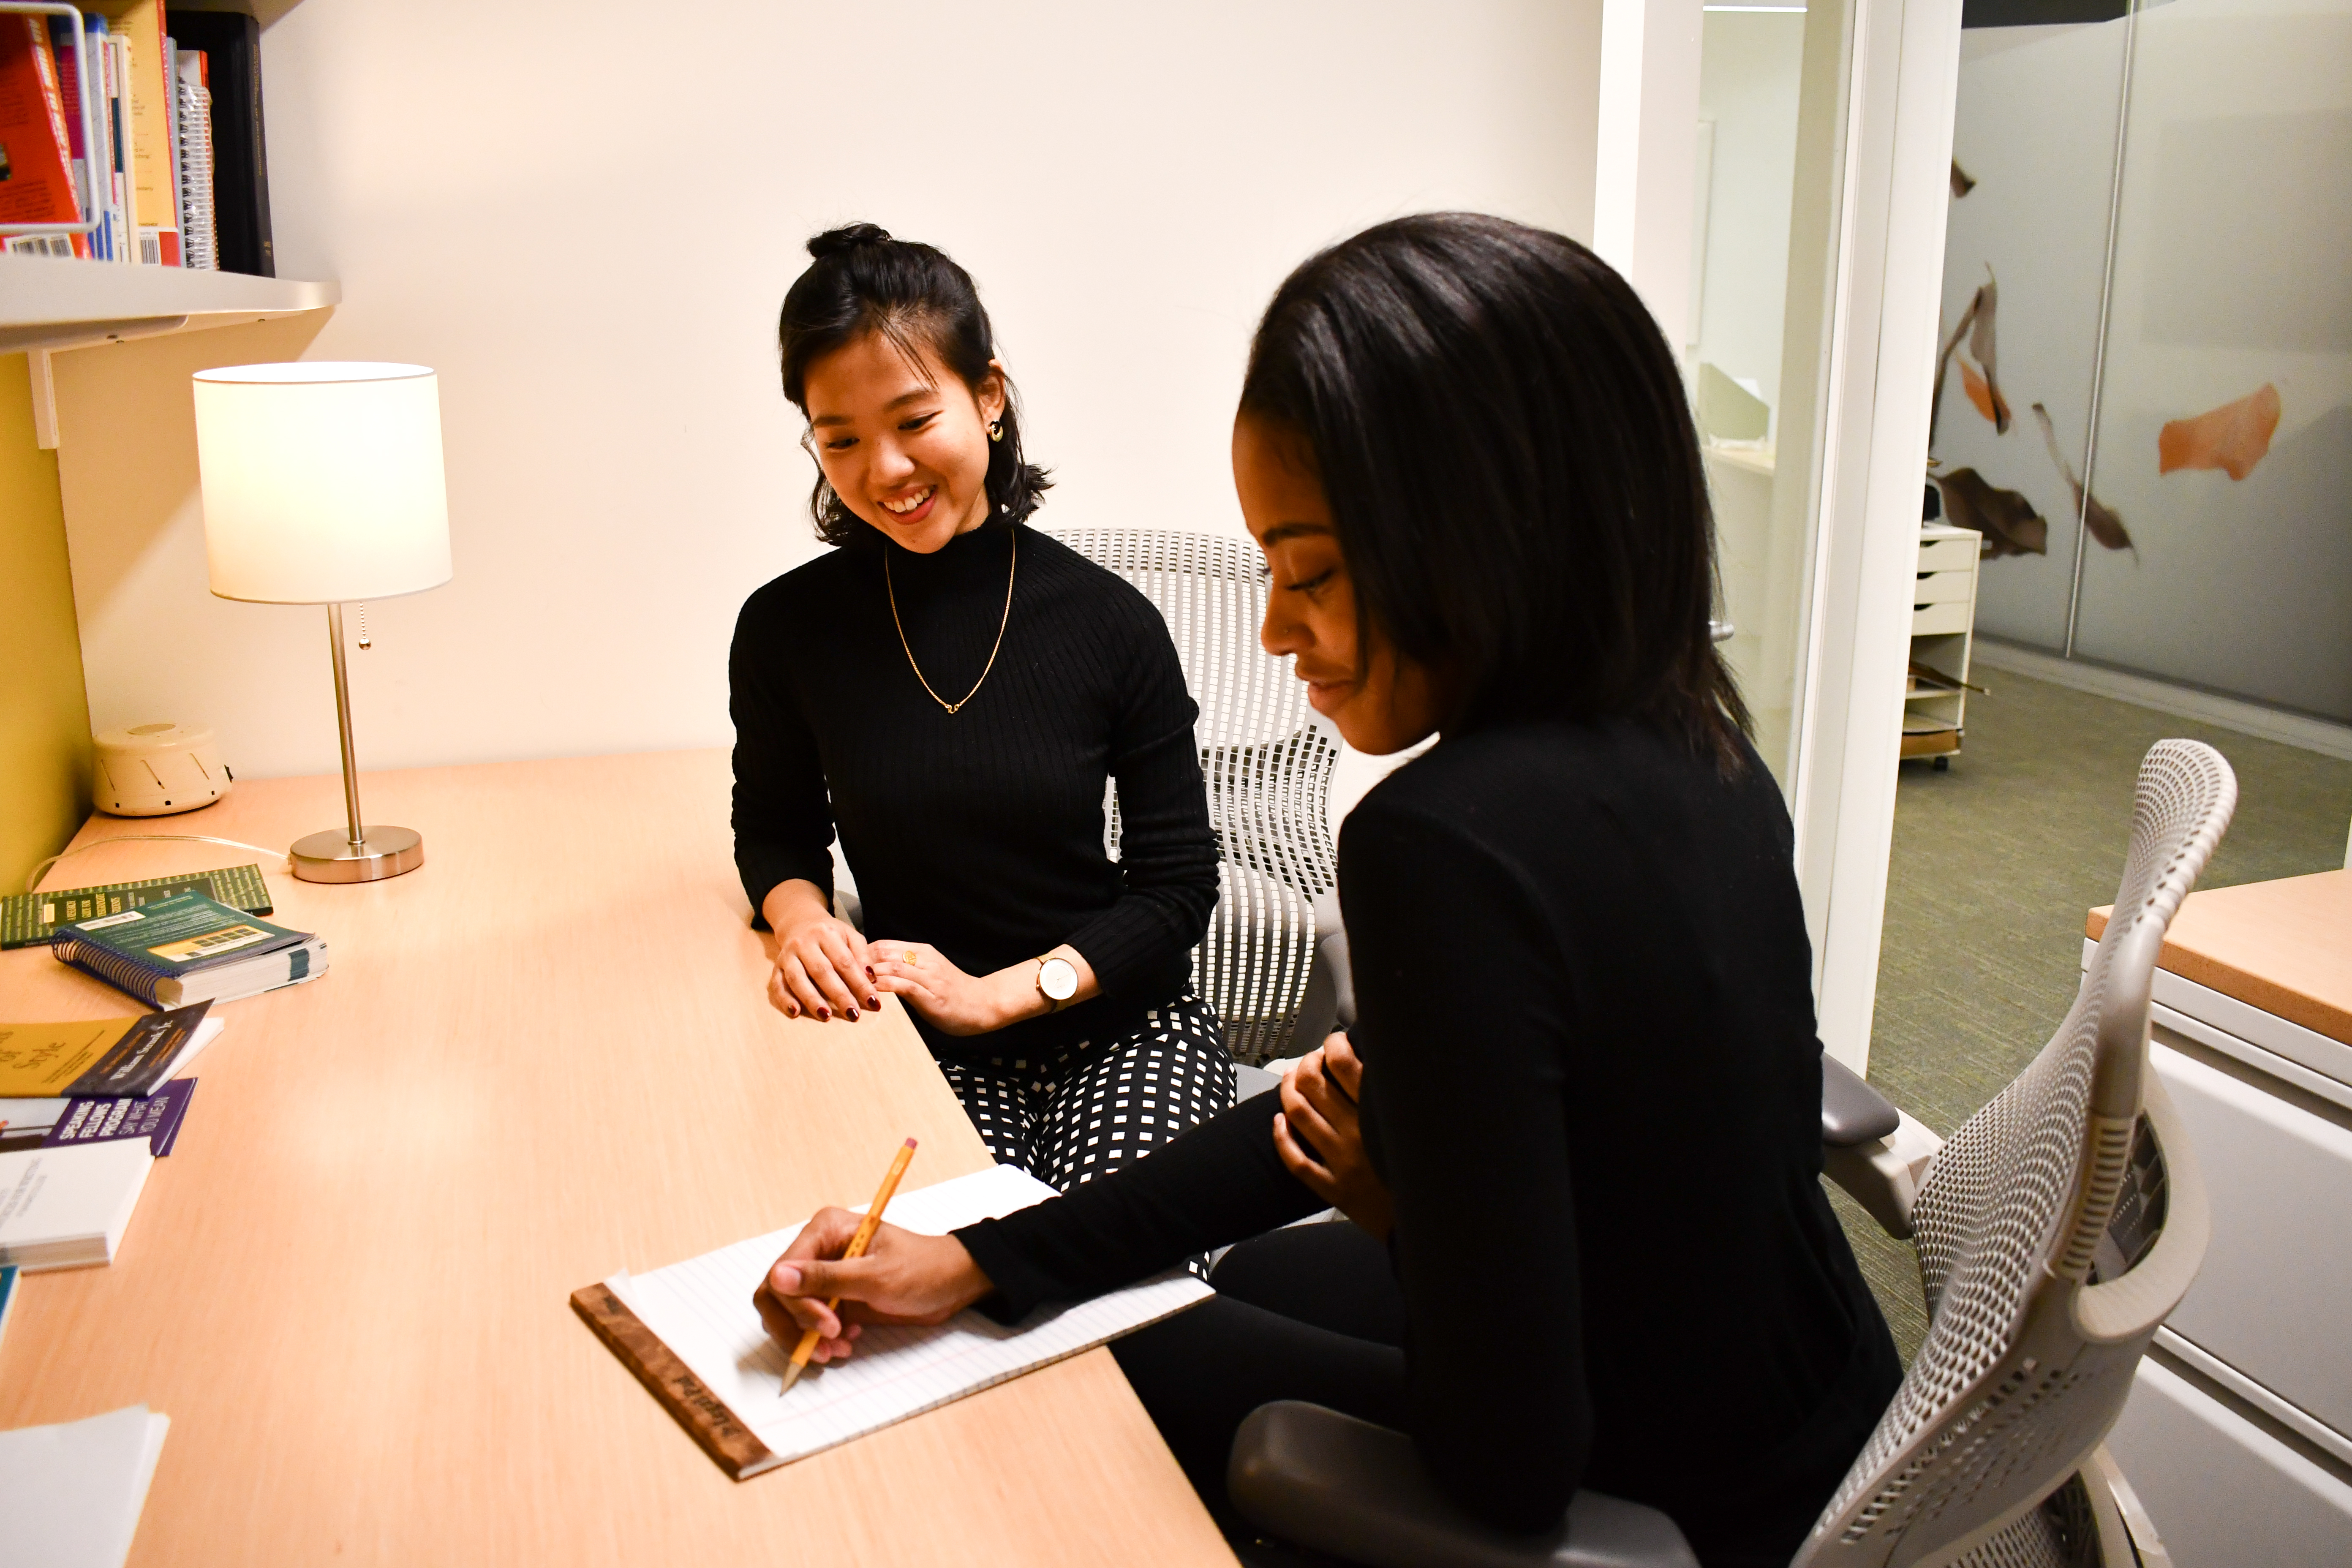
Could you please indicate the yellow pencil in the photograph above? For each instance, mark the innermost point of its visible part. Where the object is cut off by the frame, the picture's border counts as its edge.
(856, 1248)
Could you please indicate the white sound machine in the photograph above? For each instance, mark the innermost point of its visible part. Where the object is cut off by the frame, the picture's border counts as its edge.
(157, 770)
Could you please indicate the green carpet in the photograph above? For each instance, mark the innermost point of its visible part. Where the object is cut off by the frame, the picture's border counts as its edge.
(1995, 863)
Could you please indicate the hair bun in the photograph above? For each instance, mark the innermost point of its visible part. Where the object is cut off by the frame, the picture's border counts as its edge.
(849, 237)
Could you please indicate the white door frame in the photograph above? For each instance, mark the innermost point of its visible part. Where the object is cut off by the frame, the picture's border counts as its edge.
(1903, 89)
(1882, 302)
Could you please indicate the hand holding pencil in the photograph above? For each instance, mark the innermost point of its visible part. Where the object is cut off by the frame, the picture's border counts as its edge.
(845, 1270)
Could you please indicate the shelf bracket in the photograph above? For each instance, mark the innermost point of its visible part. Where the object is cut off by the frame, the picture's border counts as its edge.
(45, 400)
(39, 343)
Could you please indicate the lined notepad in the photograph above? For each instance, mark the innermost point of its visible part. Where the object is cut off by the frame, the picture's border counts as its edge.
(701, 1309)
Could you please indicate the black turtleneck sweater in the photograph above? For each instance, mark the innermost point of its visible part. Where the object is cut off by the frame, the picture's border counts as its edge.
(980, 832)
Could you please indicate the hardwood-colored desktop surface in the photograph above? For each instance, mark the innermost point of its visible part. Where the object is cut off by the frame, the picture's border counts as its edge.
(2282, 946)
(543, 1057)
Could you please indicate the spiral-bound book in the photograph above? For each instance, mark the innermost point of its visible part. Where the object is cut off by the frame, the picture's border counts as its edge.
(189, 949)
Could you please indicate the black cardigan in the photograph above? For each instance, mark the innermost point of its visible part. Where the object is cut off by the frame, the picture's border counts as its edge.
(981, 831)
(1592, 1082)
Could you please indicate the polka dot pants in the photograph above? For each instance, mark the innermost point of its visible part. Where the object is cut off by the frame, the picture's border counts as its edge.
(1096, 1106)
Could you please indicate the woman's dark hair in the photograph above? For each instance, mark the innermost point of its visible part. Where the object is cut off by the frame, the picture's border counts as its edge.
(1504, 440)
(865, 281)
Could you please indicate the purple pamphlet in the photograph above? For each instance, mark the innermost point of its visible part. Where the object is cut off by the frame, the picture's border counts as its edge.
(156, 1119)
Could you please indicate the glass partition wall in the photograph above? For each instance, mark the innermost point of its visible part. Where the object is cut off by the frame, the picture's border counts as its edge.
(2147, 399)
(1773, 86)
(1816, 231)
(1751, 81)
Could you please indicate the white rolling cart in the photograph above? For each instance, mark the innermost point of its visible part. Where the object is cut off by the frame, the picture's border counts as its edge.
(1943, 631)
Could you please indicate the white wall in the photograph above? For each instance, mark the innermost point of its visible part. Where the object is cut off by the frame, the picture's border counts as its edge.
(585, 215)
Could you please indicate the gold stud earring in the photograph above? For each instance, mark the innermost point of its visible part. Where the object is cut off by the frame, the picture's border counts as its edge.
(995, 430)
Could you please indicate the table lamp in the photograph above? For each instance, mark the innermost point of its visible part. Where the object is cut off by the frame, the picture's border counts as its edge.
(322, 485)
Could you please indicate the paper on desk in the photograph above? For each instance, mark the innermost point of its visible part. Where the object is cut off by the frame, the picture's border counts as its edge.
(71, 1494)
(702, 1310)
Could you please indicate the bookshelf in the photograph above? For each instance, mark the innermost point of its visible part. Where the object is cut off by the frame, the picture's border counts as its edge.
(48, 305)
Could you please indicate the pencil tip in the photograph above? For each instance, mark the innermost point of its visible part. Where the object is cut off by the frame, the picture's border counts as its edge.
(791, 1377)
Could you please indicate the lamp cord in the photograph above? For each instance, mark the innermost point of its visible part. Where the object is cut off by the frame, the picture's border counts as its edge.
(42, 869)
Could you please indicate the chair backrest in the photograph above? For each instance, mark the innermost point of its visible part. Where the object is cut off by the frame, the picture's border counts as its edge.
(1268, 767)
(2056, 1229)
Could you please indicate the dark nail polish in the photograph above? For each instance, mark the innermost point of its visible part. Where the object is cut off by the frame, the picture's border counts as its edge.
(853, 1014)
(869, 972)
(875, 1003)
(826, 1014)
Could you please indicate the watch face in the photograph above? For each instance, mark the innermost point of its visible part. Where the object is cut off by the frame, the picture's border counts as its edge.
(1057, 979)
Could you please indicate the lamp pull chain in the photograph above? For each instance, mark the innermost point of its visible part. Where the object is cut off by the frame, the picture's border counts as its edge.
(366, 642)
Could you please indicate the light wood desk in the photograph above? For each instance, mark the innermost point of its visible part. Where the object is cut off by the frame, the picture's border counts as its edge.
(528, 1065)
(2285, 947)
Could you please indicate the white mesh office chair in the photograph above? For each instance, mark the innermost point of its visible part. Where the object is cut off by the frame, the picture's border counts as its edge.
(2056, 1229)
(1268, 767)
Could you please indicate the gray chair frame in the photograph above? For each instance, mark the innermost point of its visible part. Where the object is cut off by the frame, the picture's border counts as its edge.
(2056, 1229)
(1267, 762)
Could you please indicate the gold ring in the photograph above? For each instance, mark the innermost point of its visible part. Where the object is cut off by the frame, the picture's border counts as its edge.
(908, 957)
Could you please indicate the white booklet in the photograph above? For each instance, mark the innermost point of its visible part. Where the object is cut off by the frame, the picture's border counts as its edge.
(701, 1309)
(68, 1207)
(70, 1495)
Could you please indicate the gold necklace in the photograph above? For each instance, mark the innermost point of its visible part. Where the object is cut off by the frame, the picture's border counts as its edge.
(889, 588)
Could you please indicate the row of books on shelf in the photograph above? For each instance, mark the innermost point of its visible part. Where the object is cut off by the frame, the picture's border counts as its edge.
(156, 146)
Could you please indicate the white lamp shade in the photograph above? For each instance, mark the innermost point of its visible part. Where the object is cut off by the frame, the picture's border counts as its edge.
(321, 481)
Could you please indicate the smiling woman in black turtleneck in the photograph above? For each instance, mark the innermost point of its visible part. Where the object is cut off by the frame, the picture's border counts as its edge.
(950, 690)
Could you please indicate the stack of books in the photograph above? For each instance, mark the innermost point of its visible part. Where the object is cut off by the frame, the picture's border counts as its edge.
(86, 1109)
(170, 153)
(188, 948)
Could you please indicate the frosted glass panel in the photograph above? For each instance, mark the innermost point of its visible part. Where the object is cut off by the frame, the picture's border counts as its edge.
(2229, 360)
(2035, 132)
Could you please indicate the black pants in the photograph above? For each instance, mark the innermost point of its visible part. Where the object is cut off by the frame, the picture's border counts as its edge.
(1309, 1312)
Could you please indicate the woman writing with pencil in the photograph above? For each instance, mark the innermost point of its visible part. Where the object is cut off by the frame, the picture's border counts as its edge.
(1577, 1123)
(951, 690)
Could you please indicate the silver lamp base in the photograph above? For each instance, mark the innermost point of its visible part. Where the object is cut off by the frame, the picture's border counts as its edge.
(382, 852)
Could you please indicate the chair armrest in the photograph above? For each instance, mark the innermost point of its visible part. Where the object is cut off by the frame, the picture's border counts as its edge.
(1250, 1082)
(1883, 1174)
(1852, 1111)
(1339, 1484)
(1330, 1000)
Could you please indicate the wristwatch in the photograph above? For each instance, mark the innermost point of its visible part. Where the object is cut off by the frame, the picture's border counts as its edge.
(1057, 981)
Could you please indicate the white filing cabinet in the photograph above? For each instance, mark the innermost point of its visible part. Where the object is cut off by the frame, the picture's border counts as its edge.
(2238, 1436)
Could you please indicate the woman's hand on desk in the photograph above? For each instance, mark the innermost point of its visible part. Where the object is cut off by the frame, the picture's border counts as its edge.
(955, 1003)
(902, 1279)
(1318, 1136)
(822, 963)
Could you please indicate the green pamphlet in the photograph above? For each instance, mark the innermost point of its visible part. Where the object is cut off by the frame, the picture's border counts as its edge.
(29, 918)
